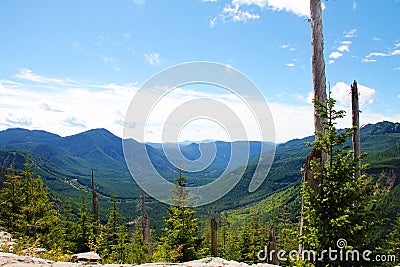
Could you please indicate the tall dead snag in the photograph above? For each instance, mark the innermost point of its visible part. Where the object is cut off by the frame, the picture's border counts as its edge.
(95, 203)
(214, 245)
(272, 247)
(356, 126)
(145, 221)
(319, 85)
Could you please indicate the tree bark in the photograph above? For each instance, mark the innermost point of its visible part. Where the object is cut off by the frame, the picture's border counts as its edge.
(356, 125)
(214, 245)
(319, 86)
(145, 221)
(95, 203)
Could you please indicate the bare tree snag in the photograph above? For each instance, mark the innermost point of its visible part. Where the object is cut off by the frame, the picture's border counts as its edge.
(272, 247)
(356, 125)
(95, 201)
(214, 234)
(145, 221)
(319, 86)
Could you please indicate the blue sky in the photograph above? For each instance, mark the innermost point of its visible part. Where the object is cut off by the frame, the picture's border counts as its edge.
(69, 66)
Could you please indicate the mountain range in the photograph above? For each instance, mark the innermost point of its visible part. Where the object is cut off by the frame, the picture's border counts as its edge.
(65, 165)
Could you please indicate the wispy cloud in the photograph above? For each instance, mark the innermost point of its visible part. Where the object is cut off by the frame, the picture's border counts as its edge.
(28, 75)
(351, 33)
(50, 108)
(13, 121)
(250, 10)
(69, 109)
(290, 65)
(74, 122)
(367, 60)
(371, 57)
(335, 55)
(236, 12)
(152, 58)
(343, 46)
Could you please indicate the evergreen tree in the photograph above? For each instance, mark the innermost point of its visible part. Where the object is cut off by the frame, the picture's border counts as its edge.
(223, 235)
(114, 243)
(25, 206)
(84, 231)
(394, 240)
(140, 250)
(341, 208)
(11, 201)
(179, 241)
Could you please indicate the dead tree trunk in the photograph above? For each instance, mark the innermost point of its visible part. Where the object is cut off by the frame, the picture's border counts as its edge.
(319, 85)
(145, 221)
(272, 247)
(95, 203)
(214, 234)
(356, 126)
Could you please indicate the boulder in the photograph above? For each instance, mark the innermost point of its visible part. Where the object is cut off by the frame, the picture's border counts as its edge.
(86, 257)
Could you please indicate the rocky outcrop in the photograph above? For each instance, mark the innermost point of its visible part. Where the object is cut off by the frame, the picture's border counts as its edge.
(9, 259)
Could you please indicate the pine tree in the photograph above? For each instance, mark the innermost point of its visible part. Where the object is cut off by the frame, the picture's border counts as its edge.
(11, 200)
(114, 242)
(394, 240)
(84, 226)
(25, 206)
(179, 241)
(342, 206)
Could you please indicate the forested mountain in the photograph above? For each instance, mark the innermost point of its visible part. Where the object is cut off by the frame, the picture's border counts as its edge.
(65, 164)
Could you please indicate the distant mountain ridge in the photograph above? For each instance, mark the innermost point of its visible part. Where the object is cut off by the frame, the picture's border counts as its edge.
(65, 163)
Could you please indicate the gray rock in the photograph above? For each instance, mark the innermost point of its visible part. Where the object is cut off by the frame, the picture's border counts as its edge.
(91, 256)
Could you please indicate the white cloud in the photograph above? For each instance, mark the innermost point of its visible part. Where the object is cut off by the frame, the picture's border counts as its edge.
(344, 47)
(152, 58)
(390, 53)
(376, 54)
(376, 38)
(350, 34)
(284, 46)
(300, 7)
(367, 60)
(48, 107)
(259, 3)
(290, 65)
(27, 74)
(82, 106)
(335, 55)
(233, 12)
(395, 52)
(240, 11)
(70, 109)
(341, 92)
